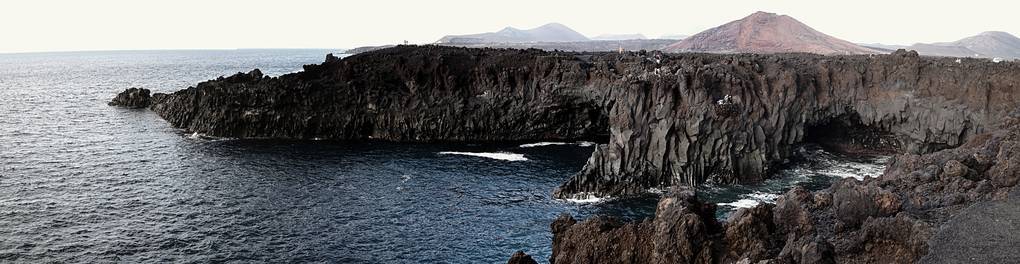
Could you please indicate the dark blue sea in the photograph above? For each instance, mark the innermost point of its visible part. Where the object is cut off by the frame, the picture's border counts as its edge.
(81, 181)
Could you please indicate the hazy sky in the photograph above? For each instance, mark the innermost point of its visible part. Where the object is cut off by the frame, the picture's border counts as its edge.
(51, 25)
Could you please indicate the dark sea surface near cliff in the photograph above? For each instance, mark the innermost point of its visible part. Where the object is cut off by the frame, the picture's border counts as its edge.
(81, 181)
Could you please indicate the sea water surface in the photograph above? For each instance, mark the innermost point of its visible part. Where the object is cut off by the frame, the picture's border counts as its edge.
(81, 181)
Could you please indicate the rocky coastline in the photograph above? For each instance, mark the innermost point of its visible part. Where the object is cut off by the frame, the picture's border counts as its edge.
(662, 119)
(899, 217)
(672, 121)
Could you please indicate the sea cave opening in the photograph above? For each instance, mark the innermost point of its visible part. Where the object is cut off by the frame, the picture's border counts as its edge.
(846, 134)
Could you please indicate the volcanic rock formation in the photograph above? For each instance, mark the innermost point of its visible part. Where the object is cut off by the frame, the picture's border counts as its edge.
(916, 206)
(132, 98)
(520, 257)
(763, 32)
(670, 119)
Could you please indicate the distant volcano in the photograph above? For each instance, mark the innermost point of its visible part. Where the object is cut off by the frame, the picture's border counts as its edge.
(552, 32)
(989, 44)
(763, 32)
(992, 44)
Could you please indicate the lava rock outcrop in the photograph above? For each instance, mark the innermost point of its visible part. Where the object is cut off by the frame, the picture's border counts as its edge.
(520, 257)
(681, 232)
(670, 119)
(132, 98)
(894, 218)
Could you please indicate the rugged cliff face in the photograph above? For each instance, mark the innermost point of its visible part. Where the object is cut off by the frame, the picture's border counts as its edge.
(732, 118)
(900, 217)
(677, 119)
(401, 94)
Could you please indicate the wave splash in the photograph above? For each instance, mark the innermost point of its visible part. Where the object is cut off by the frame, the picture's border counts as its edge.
(752, 200)
(543, 144)
(507, 156)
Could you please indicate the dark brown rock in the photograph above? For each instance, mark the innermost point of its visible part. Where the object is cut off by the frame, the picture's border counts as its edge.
(854, 202)
(792, 212)
(680, 233)
(899, 239)
(896, 218)
(750, 234)
(520, 257)
(807, 250)
(1006, 170)
(132, 98)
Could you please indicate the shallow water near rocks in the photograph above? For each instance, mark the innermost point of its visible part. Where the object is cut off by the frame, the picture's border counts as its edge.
(84, 182)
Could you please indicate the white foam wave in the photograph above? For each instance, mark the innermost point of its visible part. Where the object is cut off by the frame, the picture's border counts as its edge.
(742, 203)
(542, 144)
(507, 156)
(587, 198)
(654, 190)
(752, 200)
(764, 197)
(855, 170)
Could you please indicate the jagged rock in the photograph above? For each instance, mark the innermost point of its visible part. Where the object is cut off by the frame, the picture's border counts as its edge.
(906, 53)
(520, 257)
(898, 239)
(854, 202)
(750, 234)
(132, 98)
(680, 233)
(657, 110)
(1006, 170)
(792, 213)
(890, 219)
(333, 59)
(953, 169)
(807, 250)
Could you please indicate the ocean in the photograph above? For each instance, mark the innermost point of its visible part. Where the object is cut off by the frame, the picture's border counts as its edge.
(81, 181)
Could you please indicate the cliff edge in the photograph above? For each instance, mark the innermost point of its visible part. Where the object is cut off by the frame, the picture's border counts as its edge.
(662, 119)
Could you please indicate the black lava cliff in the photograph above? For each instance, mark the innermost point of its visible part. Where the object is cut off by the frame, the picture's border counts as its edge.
(955, 205)
(671, 119)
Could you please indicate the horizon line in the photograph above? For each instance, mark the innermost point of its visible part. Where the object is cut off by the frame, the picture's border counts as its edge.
(160, 49)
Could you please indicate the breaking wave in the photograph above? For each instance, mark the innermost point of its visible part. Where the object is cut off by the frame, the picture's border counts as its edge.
(507, 156)
(543, 144)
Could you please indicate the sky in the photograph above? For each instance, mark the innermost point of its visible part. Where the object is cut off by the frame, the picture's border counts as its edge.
(66, 25)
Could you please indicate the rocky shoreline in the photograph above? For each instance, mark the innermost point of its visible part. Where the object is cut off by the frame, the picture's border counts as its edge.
(670, 120)
(663, 119)
(895, 218)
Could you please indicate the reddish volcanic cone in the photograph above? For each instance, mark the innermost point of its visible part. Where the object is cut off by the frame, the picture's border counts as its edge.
(766, 33)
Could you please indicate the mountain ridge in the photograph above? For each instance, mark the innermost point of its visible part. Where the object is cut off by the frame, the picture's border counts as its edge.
(763, 32)
(551, 32)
